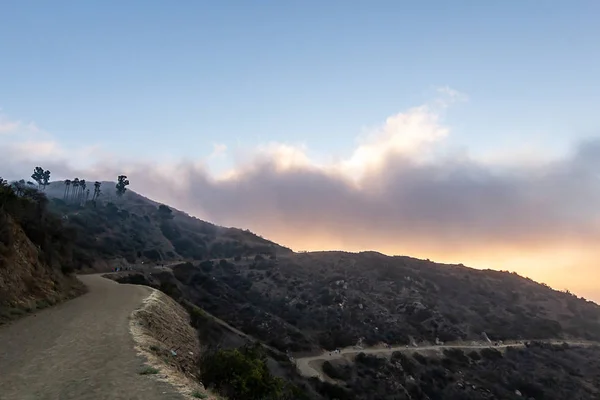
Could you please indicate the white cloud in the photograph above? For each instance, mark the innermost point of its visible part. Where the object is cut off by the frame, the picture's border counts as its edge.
(409, 134)
(390, 194)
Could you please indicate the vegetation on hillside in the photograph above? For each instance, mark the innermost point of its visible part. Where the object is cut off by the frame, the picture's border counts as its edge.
(242, 374)
(123, 225)
(36, 250)
(28, 207)
(539, 371)
(301, 302)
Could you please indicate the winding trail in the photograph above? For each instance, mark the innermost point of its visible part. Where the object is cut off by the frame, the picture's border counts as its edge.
(81, 349)
(311, 366)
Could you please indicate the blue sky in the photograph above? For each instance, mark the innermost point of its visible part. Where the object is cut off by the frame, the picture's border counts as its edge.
(505, 178)
(174, 78)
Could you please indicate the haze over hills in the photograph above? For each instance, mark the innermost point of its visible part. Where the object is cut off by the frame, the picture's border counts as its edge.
(417, 181)
(296, 302)
(134, 227)
(323, 299)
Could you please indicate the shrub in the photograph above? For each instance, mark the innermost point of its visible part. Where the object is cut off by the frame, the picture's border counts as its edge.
(457, 355)
(242, 374)
(336, 372)
(408, 365)
(420, 358)
(491, 354)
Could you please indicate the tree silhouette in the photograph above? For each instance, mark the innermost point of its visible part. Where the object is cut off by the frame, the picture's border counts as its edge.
(38, 175)
(121, 185)
(82, 186)
(67, 187)
(97, 190)
(45, 179)
(75, 184)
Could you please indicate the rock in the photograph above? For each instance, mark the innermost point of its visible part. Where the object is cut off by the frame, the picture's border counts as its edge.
(517, 392)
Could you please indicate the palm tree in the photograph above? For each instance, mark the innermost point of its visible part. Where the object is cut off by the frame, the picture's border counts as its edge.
(67, 187)
(75, 188)
(82, 190)
(97, 190)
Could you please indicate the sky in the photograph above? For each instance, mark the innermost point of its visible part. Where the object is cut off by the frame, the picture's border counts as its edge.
(461, 131)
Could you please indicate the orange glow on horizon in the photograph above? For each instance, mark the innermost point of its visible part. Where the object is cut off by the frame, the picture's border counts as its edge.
(572, 267)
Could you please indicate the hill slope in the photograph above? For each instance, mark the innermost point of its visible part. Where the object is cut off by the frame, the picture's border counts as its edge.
(304, 302)
(133, 228)
(307, 301)
(36, 257)
(324, 299)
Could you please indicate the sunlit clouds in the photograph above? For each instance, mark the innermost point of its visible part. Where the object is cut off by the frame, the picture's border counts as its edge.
(393, 193)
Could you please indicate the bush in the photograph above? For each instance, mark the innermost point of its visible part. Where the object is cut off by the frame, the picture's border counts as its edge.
(336, 372)
(408, 365)
(420, 358)
(457, 356)
(242, 374)
(491, 354)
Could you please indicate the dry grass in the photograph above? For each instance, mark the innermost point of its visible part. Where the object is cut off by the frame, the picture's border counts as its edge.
(163, 335)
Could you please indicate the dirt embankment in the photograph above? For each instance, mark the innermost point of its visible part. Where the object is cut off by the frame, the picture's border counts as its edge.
(163, 334)
(26, 282)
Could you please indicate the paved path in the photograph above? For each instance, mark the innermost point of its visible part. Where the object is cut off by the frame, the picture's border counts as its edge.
(81, 349)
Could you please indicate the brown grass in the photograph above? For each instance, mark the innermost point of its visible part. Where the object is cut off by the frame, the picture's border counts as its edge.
(161, 326)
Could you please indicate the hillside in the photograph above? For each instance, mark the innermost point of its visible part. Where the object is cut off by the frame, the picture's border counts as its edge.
(36, 260)
(538, 371)
(304, 302)
(307, 301)
(115, 230)
(295, 302)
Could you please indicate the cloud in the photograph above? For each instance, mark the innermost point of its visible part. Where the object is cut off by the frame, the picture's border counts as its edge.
(219, 150)
(8, 125)
(448, 96)
(394, 193)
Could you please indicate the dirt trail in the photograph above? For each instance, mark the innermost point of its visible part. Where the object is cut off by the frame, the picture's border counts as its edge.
(81, 349)
(311, 366)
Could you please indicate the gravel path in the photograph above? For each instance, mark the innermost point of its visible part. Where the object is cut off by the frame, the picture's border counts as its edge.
(81, 349)
(311, 366)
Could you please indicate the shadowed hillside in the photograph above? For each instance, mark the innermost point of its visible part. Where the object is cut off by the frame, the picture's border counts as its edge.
(116, 229)
(292, 302)
(307, 301)
(36, 253)
(539, 371)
